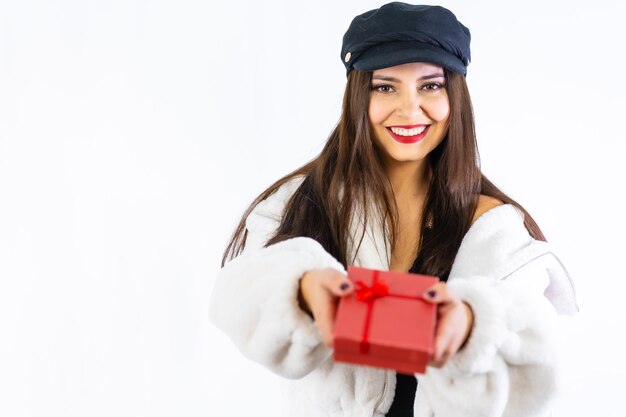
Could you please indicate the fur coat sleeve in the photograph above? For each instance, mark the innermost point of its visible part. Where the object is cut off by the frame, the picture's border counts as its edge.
(254, 300)
(515, 286)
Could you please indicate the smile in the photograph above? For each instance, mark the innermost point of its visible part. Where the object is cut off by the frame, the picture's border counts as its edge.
(408, 134)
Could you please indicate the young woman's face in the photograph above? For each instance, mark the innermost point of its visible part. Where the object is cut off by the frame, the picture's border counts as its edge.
(408, 110)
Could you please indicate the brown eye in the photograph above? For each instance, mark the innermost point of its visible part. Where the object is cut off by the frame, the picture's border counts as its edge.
(383, 88)
(432, 86)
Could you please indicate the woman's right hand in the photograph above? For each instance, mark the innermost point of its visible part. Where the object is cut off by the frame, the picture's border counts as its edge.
(320, 290)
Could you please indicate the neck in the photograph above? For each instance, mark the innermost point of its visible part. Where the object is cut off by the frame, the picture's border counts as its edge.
(409, 180)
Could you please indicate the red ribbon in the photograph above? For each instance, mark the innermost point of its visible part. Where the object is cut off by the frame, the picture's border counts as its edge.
(377, 290)
(369, 294)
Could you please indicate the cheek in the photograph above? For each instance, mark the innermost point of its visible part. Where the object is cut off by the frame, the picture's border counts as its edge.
(439, 109)
(376, 111)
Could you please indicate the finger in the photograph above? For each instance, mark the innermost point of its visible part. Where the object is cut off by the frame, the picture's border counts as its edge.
(338, 284)
(455, 344)
(441, 360)
(434, 364)
(440, 293)
(435, 293)
(325, 317)
(444, 334)
(458, 338)
(443, 346)
(446, 351)
(445, 357)
(450, 332)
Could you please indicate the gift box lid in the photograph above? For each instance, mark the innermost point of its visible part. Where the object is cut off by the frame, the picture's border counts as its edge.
(401, 321)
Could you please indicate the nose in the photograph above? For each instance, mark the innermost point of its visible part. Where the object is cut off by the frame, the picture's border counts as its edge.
(410, 105)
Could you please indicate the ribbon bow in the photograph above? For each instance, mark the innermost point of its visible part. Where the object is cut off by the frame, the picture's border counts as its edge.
(366, 293)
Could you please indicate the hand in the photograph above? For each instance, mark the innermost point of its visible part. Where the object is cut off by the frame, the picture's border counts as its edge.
(454, 323)
(320, 290)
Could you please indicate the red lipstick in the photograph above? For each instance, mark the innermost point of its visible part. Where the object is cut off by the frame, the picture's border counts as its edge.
(409, 139)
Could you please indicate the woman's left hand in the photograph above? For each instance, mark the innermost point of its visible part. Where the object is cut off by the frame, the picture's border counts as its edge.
(454, 322)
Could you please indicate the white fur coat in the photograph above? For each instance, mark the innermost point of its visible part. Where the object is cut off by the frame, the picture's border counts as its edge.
(515, 285)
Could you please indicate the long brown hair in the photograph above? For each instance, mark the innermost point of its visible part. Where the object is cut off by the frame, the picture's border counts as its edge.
(349, 173)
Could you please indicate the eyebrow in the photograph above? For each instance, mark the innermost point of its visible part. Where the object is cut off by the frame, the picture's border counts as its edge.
(395, 80)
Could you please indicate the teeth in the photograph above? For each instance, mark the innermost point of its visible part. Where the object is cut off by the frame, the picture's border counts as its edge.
(408, 132)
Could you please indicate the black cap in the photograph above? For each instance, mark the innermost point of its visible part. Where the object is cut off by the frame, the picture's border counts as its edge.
(399, 33)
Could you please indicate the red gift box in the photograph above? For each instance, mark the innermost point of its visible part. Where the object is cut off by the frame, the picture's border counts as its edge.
(386, 323)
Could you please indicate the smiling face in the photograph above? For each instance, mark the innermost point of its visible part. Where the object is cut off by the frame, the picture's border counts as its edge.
(408, 111)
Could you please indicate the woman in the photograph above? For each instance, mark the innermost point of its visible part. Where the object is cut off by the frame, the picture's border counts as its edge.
(398, 187)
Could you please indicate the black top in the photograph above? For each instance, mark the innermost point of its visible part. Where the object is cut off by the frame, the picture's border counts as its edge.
(404, 398)
(406, 385)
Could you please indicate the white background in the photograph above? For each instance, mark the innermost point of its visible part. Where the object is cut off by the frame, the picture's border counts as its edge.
(134, 133)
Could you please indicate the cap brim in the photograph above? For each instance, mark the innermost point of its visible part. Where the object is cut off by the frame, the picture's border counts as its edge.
(397, 53)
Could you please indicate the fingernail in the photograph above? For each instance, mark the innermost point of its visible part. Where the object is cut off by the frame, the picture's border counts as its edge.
(431, 294)
(344, 286)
